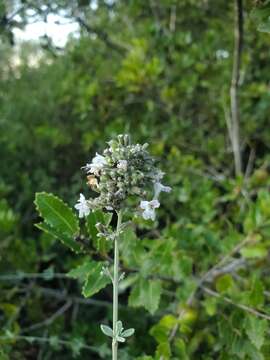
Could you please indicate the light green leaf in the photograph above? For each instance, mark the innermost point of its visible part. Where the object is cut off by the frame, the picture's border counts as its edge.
(256, 295)
(128, 332)
(64, 238)
(162, 329)
(95, 281)
(119, 327)
(146, 293)
(181, 350)
(76, 345)
(224, 283)
(82, 271)
(256, 251)
(164, 351)
(106, 330)
(56, 213)
(210, 305)
(90, 273)
(256, 330)
(151, 292)
(120, 339)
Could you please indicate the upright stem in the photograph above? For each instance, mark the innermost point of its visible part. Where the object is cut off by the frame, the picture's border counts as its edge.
(115, 287)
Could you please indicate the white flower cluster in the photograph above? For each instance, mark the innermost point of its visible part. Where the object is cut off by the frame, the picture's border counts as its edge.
(122, 171)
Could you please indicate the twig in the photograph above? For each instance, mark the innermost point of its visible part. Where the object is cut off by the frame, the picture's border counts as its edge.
(102, 35)
(40, 339)
(223, 260)
(172, 18)
(75, 299)
(250, 163)
(240, 306)
(51, 319)
(21, 276)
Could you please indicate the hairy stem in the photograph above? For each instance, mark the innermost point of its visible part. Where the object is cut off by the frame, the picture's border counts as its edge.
(115, 287)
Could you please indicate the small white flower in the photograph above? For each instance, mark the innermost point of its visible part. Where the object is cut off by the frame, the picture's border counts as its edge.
(122, 164)
(149, 209)
(158, 188)
(159, 175)
(96, 165)
(82, 206)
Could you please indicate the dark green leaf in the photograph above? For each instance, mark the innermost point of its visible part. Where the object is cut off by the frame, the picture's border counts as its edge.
(57, 214)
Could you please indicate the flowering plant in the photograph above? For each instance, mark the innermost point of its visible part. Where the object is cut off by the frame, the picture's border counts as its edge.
(123, 172)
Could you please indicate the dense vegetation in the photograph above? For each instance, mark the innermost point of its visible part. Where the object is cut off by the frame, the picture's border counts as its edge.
(197, 280)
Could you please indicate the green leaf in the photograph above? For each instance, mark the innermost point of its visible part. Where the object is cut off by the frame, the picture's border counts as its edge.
(82, 271)
(119, 327)
(120, 339)
(128, 332)
(146, 293)
(256, 330)
(76, 345)
(162, 329)
(256, 251)
(256, 295)
(164, 351)
(58, 216)
(95, 281)
(90, 273)
(65, 239)
(210, 305)
(261, 16)
(224, 283)
(92, 219)
(106, 330)
(181, 350)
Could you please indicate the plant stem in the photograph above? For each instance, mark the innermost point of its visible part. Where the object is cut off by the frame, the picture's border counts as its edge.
(115, 287)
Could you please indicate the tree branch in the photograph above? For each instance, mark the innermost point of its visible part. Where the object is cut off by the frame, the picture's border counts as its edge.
(234, 120)
(240, 306)
(102, 35)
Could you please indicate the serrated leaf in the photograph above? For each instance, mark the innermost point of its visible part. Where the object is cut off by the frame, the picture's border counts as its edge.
(95, 281)
(128, 332)
(256, 330)
(59, 217)
(65, 239)
(82, 271)
(106, 330)
(146, 293)
(90, 273)
(152, 292)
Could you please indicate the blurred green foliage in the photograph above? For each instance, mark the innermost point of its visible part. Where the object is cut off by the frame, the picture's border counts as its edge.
(161, 71)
